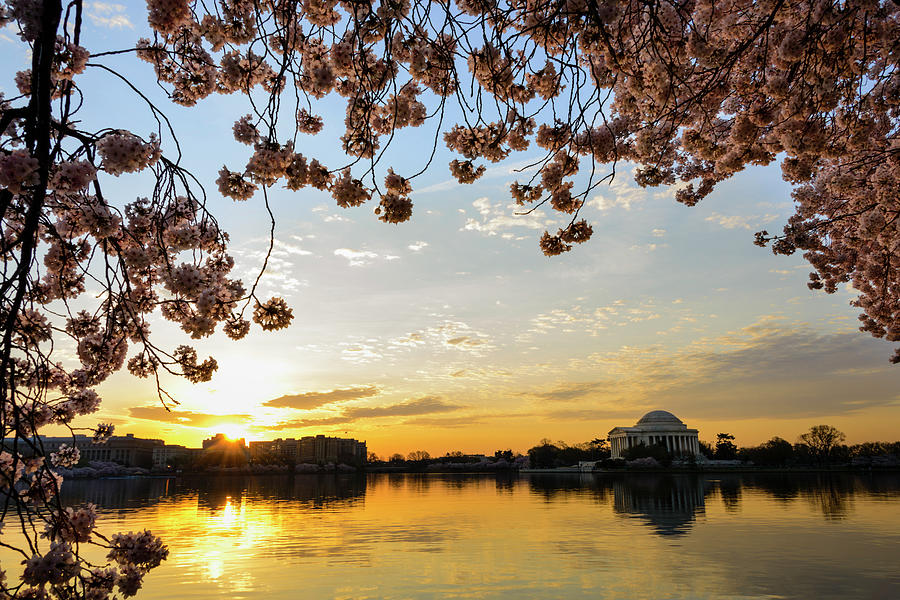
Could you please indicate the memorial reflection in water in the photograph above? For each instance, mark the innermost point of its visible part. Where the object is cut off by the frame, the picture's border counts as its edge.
(669, 505)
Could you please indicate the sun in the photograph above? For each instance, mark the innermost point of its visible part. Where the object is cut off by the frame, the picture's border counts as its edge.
(232, 431)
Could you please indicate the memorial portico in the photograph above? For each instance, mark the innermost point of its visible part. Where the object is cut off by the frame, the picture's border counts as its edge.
(656, 427)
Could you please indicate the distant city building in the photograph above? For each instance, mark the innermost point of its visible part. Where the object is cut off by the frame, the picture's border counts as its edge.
(125, 450)
(261, 450)
(174, 456)
(656, 427)
(219, 451)
(288, 449)
(221, 438)
(317, 449)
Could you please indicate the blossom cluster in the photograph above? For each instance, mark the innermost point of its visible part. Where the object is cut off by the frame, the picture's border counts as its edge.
(125, 152)
(18, 170)
(66, 456)
(73, 525)
(142, 549)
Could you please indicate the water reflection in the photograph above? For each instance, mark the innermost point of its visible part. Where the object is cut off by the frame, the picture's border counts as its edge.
(215, 492)
(667, 504)
(670, 503)
(508, 536)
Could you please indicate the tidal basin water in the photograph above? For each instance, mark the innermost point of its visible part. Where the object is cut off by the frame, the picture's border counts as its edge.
(526, 536)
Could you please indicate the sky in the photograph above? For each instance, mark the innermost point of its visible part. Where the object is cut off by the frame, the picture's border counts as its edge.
(453, 331)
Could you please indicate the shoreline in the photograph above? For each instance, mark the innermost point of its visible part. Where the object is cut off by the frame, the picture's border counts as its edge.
(507, 472)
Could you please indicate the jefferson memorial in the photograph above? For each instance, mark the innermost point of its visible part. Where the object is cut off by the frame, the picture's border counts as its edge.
(656, 427)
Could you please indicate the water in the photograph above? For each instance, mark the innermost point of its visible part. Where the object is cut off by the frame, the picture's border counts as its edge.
(527, 536)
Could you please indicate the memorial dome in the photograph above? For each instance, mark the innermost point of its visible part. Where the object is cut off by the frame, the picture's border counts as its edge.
(659, 417)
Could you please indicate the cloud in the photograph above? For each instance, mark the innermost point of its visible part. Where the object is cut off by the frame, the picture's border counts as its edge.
(592, 321)
(658, 232)
(465, 342)
(421, 406)
(280, 271)
(448, 334)
(359, 258)
(104, 14)
(281, 248)
(184, 417)
(573, 391)
(301, 423)
(770, 368)
(356, 257)
(750, 223)
(591, 414)
(310, 400)
(425, 405)
(328, 217)
(495, 219)
(447, 337)
(445, 422)
(418, 246)
(360, 352)
(648, 247)
(622, 193)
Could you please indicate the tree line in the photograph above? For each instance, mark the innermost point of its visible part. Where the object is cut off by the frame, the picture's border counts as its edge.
(821, 445)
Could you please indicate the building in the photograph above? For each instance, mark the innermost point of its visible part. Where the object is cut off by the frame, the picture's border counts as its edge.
(220, 451)
(287, 449)
(317, 449)
(656, 427)
(220, 439)
(125, 450)
(260, 451)
(174, 456)
(321, 449)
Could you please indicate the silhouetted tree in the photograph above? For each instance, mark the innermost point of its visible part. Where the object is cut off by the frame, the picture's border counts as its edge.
(418, 456)
(707, 449)
(775, 452)
(600, 449)
(875, 449)
(544, 455)
(506, 455)
(822, 441)
(725, 448)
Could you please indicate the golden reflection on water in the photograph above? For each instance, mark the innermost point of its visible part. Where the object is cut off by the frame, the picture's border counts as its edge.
(450, 536)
